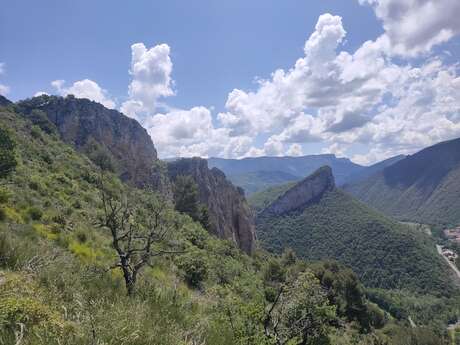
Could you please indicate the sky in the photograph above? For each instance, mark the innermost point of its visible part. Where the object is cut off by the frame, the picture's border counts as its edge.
(363, 79)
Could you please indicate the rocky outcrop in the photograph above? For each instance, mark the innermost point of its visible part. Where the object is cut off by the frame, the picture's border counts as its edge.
(80, 121)
(229, 213)
(303, 193)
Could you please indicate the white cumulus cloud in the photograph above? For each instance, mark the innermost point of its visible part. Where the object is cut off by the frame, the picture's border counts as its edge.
(151, 79)
(342, 99)
(368, 104)
(4, 89)
(188, 133)
(84, 89)
(415, 26)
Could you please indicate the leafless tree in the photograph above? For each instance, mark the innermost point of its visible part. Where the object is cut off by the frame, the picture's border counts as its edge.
(141, 228)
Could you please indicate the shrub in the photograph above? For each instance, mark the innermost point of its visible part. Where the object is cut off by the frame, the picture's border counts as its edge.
(34, 185)
(35, 213)
(4, 195)
(274, 272)
(82, 237)
(8, 161)
(195, 268)
(36, 132)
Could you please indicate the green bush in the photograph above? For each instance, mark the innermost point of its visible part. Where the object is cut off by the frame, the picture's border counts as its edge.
(195, 268)
(5, 195)
(35, 213)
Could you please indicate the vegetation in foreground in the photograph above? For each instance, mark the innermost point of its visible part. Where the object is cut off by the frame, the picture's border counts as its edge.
(58, 284)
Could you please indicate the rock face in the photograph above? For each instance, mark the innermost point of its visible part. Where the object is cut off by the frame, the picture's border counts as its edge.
(303, 193)
(80, 121)
(229, 213)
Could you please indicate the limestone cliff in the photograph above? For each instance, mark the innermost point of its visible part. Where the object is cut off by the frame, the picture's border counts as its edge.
(306, 191)
(229, 213)
(80, 121)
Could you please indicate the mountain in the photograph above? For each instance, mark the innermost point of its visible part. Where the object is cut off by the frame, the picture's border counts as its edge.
(422, 187)
(261, 200)
(84, 124)
(253, 182)
(367, 172)
(319, 221)
(252, 174)
(60, 281)
(4, 101)
(229, 213)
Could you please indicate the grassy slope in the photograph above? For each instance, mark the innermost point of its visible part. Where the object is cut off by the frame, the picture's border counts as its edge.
(53, 264)
(53, 269)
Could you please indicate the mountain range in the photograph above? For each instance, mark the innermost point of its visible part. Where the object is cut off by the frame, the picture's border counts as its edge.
(321, 222)
(258, 173)
(306, 241)
(423, 187)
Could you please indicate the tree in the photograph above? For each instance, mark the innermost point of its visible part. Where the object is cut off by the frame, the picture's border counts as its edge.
(8, 161)
(141, 229)
(300, 314)
(99, 155)
(40, 119)
(186, 196)
(187, 200)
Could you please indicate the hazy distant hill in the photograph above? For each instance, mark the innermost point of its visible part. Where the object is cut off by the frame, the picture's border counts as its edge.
(258, 173)
(319, 221)
(256, 181)
(423, 187)
(367, 172)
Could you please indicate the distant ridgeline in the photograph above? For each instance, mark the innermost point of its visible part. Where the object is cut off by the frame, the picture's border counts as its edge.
(259, 173)
(423, 187)
(319, 221)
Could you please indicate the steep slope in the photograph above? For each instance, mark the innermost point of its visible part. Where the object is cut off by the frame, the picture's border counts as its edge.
(319, 221)
(81, 122)
(4, 101)
(247, 171)
(230, 216)
(260, 200)
(422, 187)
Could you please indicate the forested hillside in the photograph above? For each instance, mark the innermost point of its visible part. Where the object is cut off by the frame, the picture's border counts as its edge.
(330, 224)
(423, 187)
(71, 234)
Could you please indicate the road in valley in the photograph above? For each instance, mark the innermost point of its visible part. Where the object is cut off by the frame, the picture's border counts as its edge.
(451, 264)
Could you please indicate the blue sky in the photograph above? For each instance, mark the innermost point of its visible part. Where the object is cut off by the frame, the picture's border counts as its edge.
(214, 47)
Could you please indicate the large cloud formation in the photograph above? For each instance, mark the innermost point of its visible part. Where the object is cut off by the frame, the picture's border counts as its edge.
(369, 104)
(349, 99)
(415, 26)
(151, 79)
